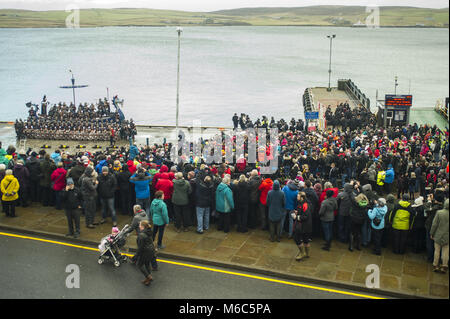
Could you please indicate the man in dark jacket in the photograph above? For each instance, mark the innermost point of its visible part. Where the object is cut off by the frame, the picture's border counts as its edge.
(253, 185)
(47, 167)
(23, 175)
(326, 214)
(204, 192)
(35, 170)
(345, 200)
(192, 206)
(276, 204)
(76, 172)
(358, 216)
(89, 194)
(71, 202)
(313, 200)
(242, 202)
(125, 190)
(180, 200)
(107, 185)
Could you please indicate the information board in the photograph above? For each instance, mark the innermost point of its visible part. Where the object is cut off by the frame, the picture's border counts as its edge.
(398, 100)
(311, 115)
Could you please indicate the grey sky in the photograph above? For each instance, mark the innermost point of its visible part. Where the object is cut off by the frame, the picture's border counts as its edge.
(207, 5)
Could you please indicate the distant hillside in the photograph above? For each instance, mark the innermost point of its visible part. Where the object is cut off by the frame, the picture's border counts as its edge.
(341, 16)
(299, 16)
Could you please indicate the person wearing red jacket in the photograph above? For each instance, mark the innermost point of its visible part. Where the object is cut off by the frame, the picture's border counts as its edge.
(165, 185)
(264, 188)
(58, 178)
(131, 167)
(163, 169)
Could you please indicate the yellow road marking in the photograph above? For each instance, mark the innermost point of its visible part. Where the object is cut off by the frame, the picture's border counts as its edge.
(203, 268)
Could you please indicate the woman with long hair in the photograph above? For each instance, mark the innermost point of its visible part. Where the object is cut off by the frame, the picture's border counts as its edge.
(145, 251)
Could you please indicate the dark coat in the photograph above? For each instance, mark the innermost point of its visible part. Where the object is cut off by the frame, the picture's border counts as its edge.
(34, 168)
(106, 185)
(345, 200)
(359, 212)
(75, 173)
(242, 194)
(253, 184)
(303, 220)
(276, 203)
(204, 194)
(22, 174)
(47, 168)
(123, 180)
(327, 209)
(88, 188)
(313, 199)
(71, 199)
(145, 248)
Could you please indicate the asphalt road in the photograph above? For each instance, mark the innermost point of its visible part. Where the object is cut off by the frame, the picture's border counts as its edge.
(37, 270)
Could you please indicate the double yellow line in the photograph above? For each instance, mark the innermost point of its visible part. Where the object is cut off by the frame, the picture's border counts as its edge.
(202, 268)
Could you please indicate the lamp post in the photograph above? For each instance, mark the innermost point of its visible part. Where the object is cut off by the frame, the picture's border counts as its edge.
(331, 37)
(396, 84)
(179, 30)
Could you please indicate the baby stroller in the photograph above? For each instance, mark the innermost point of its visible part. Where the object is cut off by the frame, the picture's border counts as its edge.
(110, 246)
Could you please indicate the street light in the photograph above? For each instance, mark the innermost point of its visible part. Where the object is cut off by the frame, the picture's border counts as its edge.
(396, 84)
(331, 37)
(179, 30)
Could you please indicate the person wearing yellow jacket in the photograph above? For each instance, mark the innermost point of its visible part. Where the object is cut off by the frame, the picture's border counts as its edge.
(402, 219)
(9, 188)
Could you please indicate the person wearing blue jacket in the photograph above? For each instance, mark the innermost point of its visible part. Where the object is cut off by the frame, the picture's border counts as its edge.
(142, 180)
(389, 179)
(376, 215)
(56, 157)
(224, 204)
(290, 192)
(276, 204)
(134, 151)
(100, 165)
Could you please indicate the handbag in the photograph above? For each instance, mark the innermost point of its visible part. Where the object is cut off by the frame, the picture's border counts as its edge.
(6, 189)
(376, 221)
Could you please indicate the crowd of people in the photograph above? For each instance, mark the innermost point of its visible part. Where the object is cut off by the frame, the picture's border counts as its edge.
(67, 122)
(363, 185)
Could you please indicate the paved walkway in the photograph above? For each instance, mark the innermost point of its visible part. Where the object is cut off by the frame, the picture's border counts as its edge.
(408, 274)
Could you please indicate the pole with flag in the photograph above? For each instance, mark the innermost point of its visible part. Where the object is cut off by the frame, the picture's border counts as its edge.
(73, 87)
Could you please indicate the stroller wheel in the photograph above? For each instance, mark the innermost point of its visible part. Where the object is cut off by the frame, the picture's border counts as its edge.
(100, 261)
(117, 263)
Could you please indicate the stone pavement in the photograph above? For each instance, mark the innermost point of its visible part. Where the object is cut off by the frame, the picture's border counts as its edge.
(406, 275)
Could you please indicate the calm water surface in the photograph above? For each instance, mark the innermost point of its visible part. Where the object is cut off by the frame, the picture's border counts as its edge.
(255, 70)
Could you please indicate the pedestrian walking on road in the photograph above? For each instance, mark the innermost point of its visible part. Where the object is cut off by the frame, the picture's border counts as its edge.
(145, 251)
